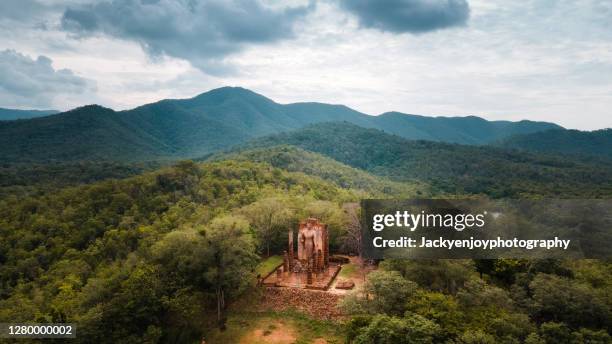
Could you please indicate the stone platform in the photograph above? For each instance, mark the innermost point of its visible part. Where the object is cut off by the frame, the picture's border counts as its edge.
(320, 281)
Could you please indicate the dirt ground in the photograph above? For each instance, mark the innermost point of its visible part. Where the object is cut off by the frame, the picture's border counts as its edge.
(261, 326)
(277, 333)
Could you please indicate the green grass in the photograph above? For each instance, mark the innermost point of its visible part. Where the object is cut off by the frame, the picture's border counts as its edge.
(268, 265)
(242, 326)
(348, 270)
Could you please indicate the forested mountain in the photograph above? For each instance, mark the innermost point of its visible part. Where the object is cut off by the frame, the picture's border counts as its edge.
(451, 168)
(596, 143)
(12, 114)
(223, 117)
(86, 133)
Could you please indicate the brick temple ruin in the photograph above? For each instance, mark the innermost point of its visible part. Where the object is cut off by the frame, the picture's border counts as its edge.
(311, 267)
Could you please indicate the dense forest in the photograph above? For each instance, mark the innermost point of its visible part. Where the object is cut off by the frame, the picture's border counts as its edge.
(148, 257)
(22, 178)
(499, 301)
(159, 252)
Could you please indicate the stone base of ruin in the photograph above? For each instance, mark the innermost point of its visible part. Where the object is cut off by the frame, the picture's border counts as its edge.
(315, 303)
(339, 259)
(320, 281)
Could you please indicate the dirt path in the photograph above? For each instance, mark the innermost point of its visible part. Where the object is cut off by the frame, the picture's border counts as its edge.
(277, 333)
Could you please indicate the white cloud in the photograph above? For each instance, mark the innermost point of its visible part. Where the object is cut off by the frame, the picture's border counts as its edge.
(532, 59)
(24, 80)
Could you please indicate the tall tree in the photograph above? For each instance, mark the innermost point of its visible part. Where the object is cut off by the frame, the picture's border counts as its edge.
(351, 241)
(231, 253)
(268, 216)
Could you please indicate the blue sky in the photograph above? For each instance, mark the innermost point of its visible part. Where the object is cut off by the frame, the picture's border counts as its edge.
(535, 59)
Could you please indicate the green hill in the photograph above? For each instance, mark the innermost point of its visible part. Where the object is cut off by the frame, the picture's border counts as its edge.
(184, 128)
(596, 143)
(294, 159)
(13, 114)
(87, 133)
(451, 168)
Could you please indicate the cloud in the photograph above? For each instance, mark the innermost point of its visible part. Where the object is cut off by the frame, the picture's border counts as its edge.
(20, 9)
(202, 32)
(414, 16)
(35, 83)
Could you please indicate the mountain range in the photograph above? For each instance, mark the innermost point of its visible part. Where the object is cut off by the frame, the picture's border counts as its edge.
(215, 120)
(13, 114)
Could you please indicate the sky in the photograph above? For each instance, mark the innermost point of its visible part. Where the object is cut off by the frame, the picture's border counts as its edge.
(541, 60)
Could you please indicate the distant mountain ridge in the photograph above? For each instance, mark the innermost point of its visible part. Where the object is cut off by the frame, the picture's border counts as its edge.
(13, 114)
(446, 167)
(471, 130)
(223, 117)
(597, 143)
